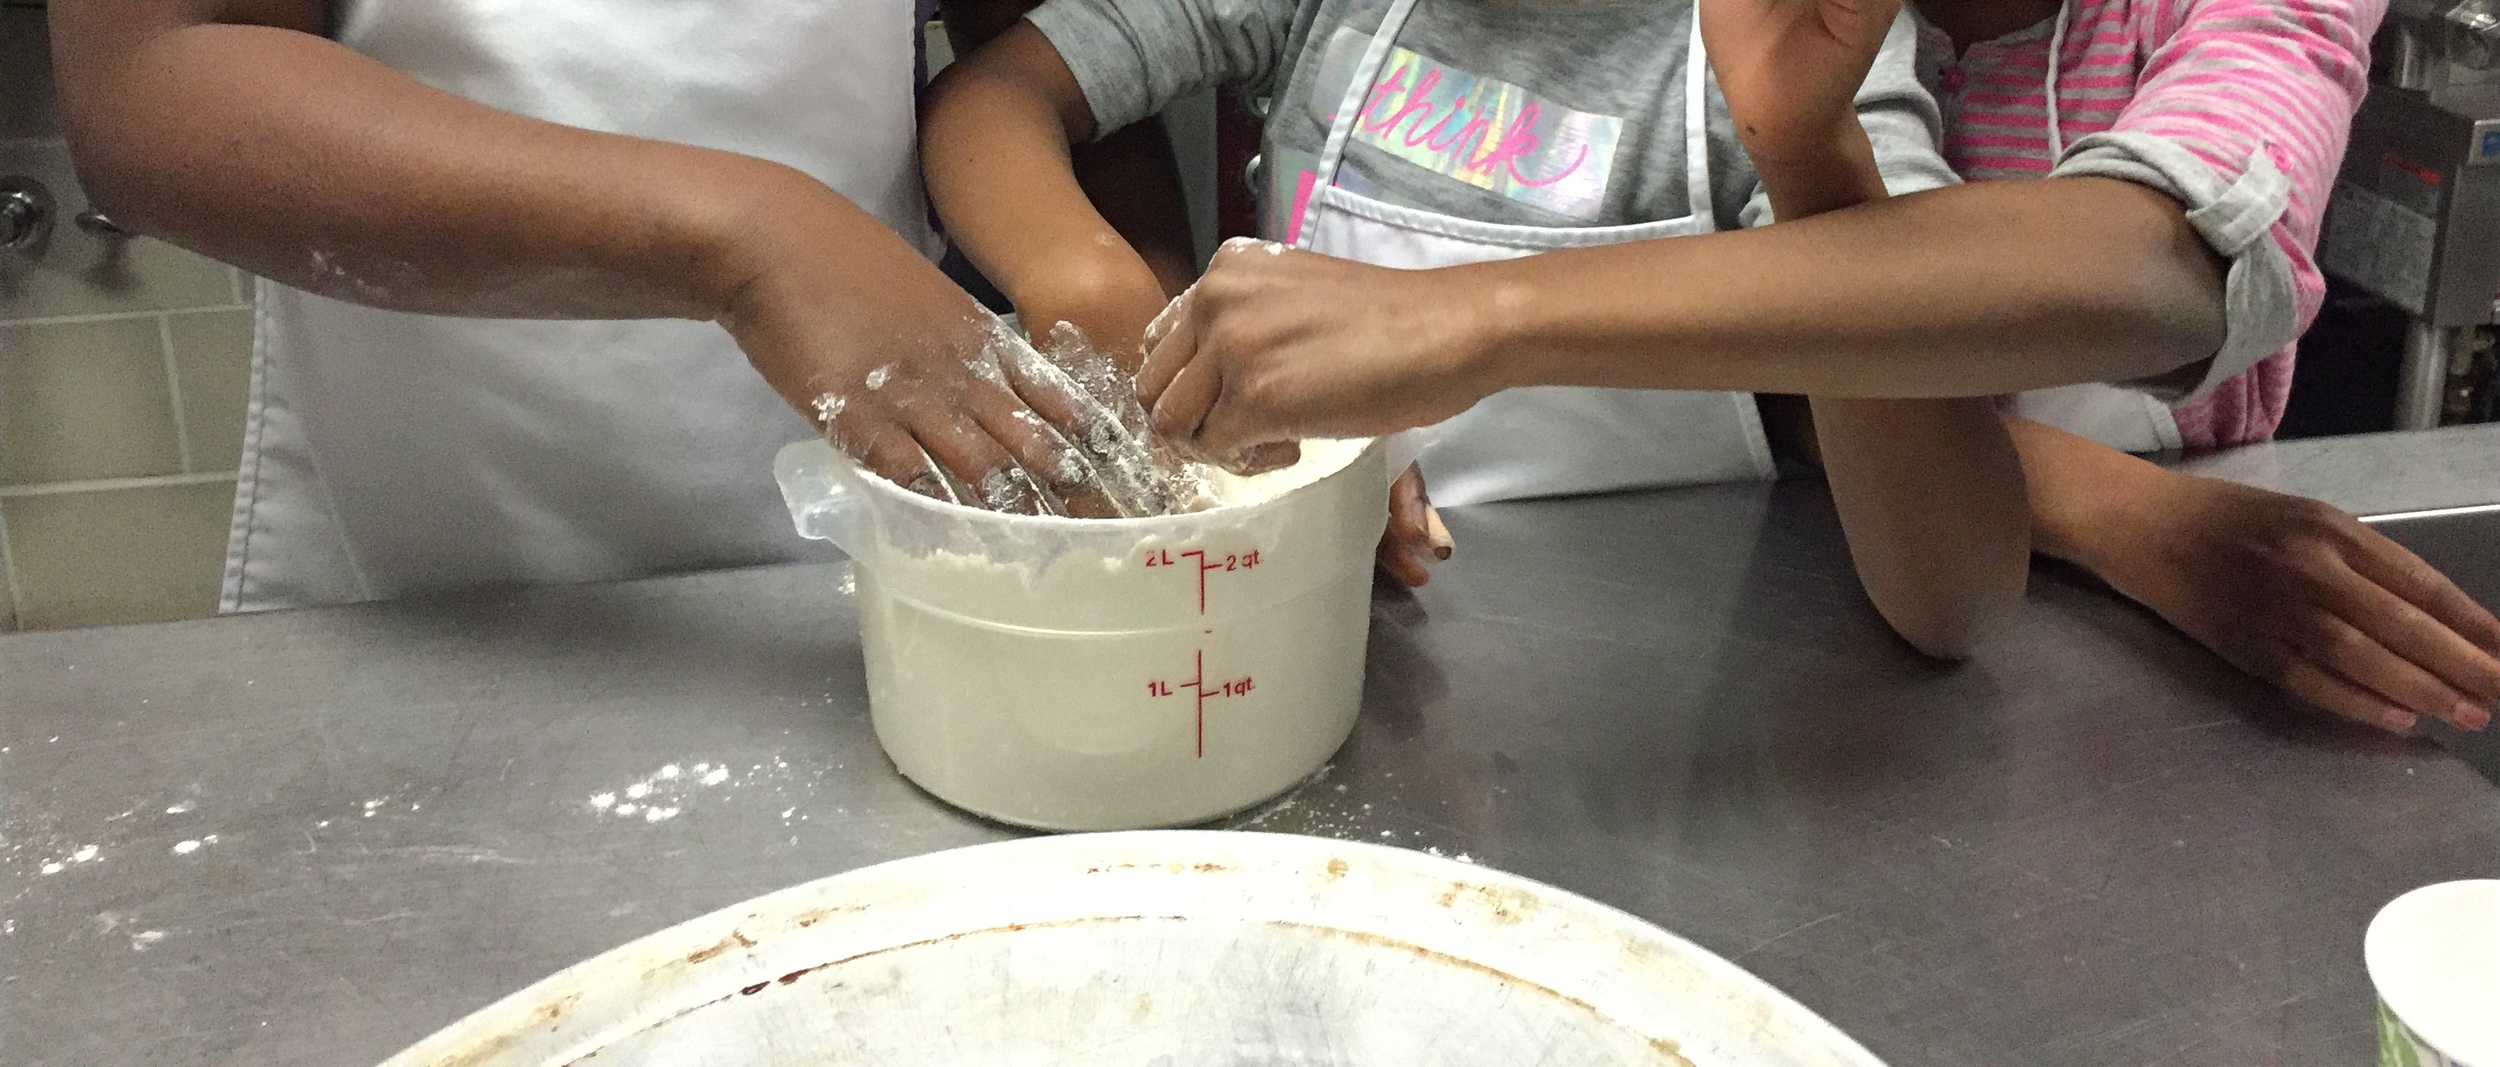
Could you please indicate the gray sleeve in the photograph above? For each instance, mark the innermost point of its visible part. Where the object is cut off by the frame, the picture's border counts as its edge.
(2235, 218)
(1901, 118)
(1134, 57)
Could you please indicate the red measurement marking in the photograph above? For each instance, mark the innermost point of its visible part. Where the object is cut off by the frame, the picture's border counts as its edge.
(1241, 561)
(1204, 691)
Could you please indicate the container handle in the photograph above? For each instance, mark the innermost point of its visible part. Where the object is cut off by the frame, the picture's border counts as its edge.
(822, 507)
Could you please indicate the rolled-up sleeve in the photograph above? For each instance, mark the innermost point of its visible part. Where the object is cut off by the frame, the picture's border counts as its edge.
(1134, 57)
(2241, 113)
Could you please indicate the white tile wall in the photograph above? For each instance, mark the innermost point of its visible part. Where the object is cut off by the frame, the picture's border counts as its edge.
(124, 368)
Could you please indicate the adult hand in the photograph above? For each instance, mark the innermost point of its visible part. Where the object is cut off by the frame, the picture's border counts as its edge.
(1274, 345)
(1790, 70)
(2310, 599)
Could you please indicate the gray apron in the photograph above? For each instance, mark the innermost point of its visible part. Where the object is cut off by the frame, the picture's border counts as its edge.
(1546, 440)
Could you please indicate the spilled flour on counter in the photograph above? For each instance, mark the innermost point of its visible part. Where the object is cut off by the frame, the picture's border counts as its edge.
(664, 794)
(87, 854)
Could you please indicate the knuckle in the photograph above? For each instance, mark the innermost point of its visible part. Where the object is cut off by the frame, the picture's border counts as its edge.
(2323, 522)
(1260, 392)
(2416, 575)
(1231, 339)
(2345, 646)
(2269, 659)
(1224, 281)
(2301, 556)
(2310, 635)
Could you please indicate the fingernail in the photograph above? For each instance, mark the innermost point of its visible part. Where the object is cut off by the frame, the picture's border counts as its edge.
(2398, 721)
(2470, 716)
(929, 486)
(1442, 542)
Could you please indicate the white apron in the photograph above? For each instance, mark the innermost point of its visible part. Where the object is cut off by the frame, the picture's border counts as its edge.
(2125, 419)
(388, 454)
(1546, 440)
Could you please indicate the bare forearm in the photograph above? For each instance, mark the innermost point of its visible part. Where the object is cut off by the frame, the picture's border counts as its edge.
(1930, 493)
(1129, 175)
(1980, 289)
(1843, 177)
(1931, 496)
(997, 160)
(1131, 179)
(2085, 496)
(996, 150)
(300, 160)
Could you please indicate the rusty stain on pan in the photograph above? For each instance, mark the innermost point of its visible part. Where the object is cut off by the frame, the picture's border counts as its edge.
(734, 940)
(1509, 907)
(1666, 1047)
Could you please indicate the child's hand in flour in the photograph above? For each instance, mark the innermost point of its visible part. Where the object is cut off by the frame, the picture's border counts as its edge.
(977, 416)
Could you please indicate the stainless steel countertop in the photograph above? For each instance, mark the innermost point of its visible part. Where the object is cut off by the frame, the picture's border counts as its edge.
(2372, 474)
(2092, 845)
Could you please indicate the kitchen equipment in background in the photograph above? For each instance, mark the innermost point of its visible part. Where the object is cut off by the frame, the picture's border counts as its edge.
(26, 212)
(1172, 948)
(2415, 215)
(1095, 674)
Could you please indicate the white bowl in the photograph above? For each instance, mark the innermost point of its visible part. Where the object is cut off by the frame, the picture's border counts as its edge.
(1154, 949)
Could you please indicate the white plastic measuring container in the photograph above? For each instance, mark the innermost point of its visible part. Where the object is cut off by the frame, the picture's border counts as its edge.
(1098, 674)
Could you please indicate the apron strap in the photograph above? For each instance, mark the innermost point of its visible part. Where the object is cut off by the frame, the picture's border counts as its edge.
(1358, 92)
(2057, 53)
(1697, 131)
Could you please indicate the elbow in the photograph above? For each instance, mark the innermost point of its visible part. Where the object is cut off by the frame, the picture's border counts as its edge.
(2156, 304)
(1937, 514)
(112, 179)
(1952, 632)
(1949, 603)
(2168, 320)
(111, 143)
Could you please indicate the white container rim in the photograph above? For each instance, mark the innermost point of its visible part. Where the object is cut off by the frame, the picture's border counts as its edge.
(857, 478)
(2419, 957)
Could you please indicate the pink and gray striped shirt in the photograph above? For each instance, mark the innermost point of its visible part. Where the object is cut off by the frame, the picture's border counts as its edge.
(2182, 95)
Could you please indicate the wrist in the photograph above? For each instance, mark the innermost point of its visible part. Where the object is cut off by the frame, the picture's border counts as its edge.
(1809, 176)
(1495, 337)
(1843, 140)
(2109, 520)
(1072, 285)
(1089, 280)
(815, 290)
(727, 248)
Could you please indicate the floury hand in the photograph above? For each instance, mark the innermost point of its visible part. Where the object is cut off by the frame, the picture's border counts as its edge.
(1002, 428)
